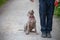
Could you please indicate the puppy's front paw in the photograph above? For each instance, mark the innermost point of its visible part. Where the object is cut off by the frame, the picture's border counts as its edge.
(37, 33)
(27, 33)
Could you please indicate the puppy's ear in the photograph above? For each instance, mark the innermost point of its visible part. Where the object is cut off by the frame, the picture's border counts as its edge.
(32, 0)
(32, 11)
(28, 13)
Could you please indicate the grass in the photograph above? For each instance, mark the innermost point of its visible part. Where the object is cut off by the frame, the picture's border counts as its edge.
(57, 10)
(2, 2)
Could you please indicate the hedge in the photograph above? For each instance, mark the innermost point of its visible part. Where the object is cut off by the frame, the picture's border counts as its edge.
(57, 10)
(2, 2)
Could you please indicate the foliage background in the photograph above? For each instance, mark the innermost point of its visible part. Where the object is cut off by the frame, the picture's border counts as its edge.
(2, 2)
(57, 10)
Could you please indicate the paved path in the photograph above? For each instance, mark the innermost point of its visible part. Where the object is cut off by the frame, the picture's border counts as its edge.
(14, 17)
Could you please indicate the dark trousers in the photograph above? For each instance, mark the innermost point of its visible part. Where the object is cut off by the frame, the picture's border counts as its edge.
(46, 10)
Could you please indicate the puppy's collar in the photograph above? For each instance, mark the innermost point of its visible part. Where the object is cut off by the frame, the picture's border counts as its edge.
(31, 17)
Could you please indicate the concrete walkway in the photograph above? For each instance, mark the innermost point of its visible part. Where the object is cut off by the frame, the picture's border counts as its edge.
(14, 17)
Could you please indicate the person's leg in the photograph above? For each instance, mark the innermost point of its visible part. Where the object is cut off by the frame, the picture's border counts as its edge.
(42, 13)
(50, 12)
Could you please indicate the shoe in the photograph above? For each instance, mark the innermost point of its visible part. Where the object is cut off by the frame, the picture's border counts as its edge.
(44, 35)
(49, 35)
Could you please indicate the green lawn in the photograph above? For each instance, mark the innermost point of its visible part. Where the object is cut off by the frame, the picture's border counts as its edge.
(2, 2)
(57, 10)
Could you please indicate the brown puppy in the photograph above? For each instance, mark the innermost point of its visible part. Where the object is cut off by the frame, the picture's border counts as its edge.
(31, 24)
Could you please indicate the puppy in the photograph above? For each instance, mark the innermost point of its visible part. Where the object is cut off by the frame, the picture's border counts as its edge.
(31, 23)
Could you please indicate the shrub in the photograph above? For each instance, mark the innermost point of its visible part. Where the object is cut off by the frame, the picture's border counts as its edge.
(2, 2)
(57, 10)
